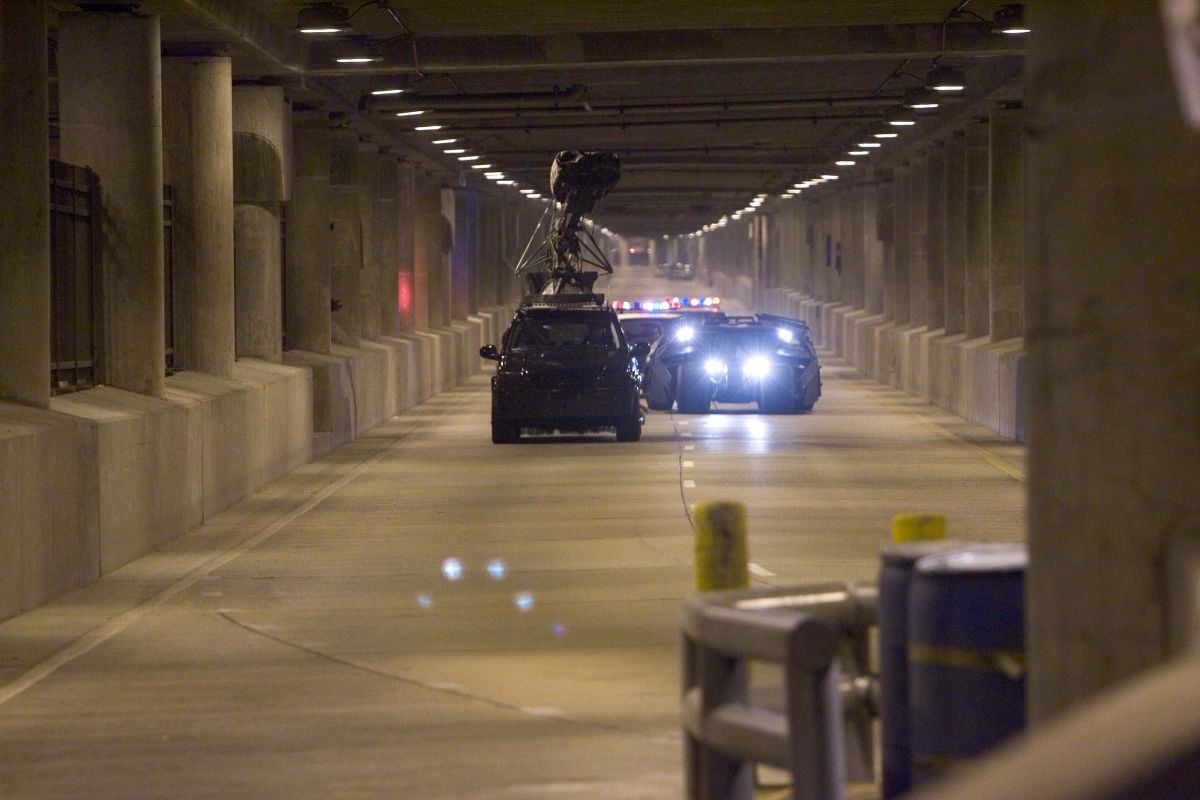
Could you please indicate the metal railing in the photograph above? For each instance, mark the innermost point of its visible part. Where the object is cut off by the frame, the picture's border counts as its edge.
(816, 723)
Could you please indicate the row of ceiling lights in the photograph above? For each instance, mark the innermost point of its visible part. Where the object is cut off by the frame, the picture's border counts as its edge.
(941, 81)
(331, 18)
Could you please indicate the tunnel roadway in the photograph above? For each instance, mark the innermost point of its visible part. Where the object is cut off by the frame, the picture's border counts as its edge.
(422, 614)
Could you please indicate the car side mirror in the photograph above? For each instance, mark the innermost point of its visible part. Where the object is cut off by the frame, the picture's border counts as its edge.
(489, 352)
(641, 350)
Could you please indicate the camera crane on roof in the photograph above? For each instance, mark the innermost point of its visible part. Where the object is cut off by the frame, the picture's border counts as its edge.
(558, 265)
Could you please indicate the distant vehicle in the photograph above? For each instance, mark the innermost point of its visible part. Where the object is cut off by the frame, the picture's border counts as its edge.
(565, 365)
(761, 359)
(649, 320)
(680, 271)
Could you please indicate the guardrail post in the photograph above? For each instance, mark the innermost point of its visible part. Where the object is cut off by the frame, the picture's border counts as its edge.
(711, 774)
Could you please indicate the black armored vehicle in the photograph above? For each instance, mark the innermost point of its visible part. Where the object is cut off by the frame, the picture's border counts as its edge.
(761, 359)
(564, 365)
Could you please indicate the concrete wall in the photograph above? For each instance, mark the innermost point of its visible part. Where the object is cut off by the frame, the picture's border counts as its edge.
(104, 476)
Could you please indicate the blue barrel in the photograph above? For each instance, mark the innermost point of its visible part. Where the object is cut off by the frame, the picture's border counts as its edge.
(895, 573)
(966, 654)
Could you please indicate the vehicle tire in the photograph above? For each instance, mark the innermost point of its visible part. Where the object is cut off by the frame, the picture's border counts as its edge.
(505, 431)
(629, 429)
(775, 396)
(695, 393)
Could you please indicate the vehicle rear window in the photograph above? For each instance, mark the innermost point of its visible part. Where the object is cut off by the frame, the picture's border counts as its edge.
(596, 333)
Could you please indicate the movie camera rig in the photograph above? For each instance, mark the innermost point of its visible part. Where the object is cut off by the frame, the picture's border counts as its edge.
(558, 264)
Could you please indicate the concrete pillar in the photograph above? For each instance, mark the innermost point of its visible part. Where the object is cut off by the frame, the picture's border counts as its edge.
(954, 297)
(872, 299)
(368, 220)
(855, 247)
(406, 257)
(918, 220)
(935, 226)
(886, 232)
(387, 237)
(198, 165)
(1007, 278)
(977, 313)
(262, 179)
(25, 223)
(346, 255)
(902, 290)
(1114, 350)
(463, 257)
(427, 249)
(307, 289)
(110, 118)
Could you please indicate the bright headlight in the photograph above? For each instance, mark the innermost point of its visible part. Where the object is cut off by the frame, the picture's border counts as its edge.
(756, 367)
(714, 367)
(786, 335)
(685, 333)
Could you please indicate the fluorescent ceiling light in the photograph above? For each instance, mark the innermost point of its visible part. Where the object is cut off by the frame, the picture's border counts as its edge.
(453, 151)
(846, 163)
(410, 113)
(444, 141)
(429, 127)
(468, 158)
(388, 91)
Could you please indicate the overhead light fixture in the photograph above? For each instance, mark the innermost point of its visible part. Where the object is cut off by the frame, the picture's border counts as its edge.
(453, 151)
(921, 99)
(829, 177)
(381, 92)
(858, 152)
(411, 113)
(468, 158)
(869, 144)
(506, 183)
(358, 50)
(1010, 20)
(319, 19)
(429, 127)
(481, 166)
(444, 141)
(945, 79)
(846, 163)
(886, 135)
(527, 191)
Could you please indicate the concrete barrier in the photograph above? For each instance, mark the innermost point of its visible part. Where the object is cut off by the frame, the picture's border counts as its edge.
(49, 531)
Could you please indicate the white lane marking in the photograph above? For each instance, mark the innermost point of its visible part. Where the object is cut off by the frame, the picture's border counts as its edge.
(689, 484)
(685, 433)
(684, 422)
(689, 447)
(689, 464)
(760, 570)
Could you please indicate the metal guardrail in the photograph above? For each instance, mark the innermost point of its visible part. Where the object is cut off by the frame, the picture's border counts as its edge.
(816, 724)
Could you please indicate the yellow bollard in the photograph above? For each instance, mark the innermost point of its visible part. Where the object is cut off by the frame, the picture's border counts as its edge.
(918, 527)
(721, 553)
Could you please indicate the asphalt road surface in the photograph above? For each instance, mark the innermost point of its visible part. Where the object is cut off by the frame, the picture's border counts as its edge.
(423, 614)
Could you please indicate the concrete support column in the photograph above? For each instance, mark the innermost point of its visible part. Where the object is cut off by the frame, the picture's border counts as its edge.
(346, 256)
(25, 224)
(1114, 351)
(872, 299)
(1007, 279)
(935, 270)
(903, 233)
(886, 233)
(110, 113)
(954, 297)
(198, 165)
(464, 257)
(977, 313)
(918, 275)
(431, 248)
(387, 237)
(855, 248)
(368, 220)
(261, 156)
(307, 288)
(406, 236)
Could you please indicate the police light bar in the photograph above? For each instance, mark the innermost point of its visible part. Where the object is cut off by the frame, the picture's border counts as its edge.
(668, 304)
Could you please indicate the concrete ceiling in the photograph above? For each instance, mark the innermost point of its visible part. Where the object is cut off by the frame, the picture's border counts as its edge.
(708, 103)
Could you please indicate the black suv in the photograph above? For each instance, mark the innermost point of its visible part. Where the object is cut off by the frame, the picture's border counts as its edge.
(564, 365)
(761, 359)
